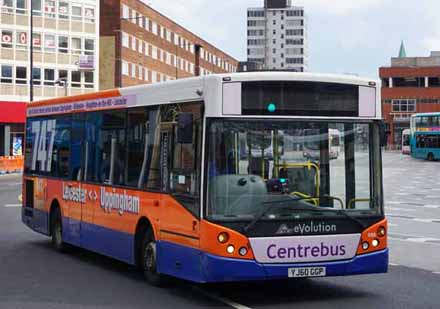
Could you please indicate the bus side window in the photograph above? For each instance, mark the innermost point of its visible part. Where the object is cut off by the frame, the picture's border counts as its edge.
(185, 172)
(77, 143)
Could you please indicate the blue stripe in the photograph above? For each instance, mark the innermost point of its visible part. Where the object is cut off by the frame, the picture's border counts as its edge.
(179, 261)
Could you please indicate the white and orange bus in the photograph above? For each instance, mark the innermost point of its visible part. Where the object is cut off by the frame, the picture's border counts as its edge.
(155, 176)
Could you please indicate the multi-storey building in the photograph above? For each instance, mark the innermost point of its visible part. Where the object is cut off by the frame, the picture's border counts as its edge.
(65, 36)
(140, 45)
(277, 36)
(410, 85)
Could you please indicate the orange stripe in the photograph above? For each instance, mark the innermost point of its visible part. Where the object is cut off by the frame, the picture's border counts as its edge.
(78, 98)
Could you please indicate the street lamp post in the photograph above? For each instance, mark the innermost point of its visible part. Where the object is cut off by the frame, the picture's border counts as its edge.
(31, 54)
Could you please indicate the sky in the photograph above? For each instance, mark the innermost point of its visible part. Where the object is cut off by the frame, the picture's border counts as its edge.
(345, 36)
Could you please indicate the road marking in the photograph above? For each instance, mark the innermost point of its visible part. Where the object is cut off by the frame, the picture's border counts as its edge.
(432, 206)
(401, 209)
(12, 205)
(436, 272)
(393, 264)
(392, 224)
(222, 299)
(423, 220)
(393, 202)
(422, 240)
(14, 184)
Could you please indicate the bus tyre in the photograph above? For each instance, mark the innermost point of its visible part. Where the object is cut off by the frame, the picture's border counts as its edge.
(149, 260)
(57, 231)
(430, 156)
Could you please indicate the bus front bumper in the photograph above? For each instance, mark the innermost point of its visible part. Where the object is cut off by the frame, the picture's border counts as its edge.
(219, 269)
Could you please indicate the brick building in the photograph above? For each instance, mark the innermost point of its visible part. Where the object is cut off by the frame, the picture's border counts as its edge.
(410, 85)
(140, 45)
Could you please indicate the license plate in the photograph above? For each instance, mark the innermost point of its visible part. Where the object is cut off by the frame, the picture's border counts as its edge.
(302, 272)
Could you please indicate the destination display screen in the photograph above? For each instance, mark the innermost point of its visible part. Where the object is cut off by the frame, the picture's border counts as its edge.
(298, 98)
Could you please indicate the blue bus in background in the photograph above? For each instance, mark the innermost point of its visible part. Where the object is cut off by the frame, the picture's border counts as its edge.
(425, 136)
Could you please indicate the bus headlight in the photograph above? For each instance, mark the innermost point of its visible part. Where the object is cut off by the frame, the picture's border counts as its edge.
(381, 231)
(230, 249)
(365, 245)
(223, 237)
(243, 251)
(375, 243)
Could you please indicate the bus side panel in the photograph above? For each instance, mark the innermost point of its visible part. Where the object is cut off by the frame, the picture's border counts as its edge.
(35, 213)
(179, 261)
(178, 246)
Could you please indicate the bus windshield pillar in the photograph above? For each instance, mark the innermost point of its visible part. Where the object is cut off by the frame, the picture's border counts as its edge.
(350, 173)
(324, 166)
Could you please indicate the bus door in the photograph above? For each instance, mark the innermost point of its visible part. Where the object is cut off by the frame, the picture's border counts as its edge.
(78, 194)
(180, 181)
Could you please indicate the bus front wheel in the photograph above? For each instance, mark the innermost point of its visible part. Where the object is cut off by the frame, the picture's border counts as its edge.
(430, 156)
(149, 260)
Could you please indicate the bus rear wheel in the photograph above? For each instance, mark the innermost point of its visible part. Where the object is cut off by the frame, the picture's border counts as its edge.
(431, 156)
(149, 260)
(56, 226)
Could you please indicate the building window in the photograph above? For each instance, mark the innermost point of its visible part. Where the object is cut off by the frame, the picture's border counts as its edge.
(21, 7)
(125, 40)
(63, 45)
(20, 75)
(75, 79)
(88, 79)
(49, 77)
(8, 6)
(62, 78)
(408, 106)
(36, 76)
(63, 10)
(76, 13)
(36, 39)
(140, 71)
(36, 7)
(140, 46)
(299, 32)
(154, 28)
(124, 68)
(49, 8)
(133, 70)
(133, 43)
(76, 46)
(125, 12)
(6, 74)
(89, 15)
(89, 47)
(49, 43)
(409, 82)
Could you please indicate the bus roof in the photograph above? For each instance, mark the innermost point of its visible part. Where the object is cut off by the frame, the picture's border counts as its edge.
(183, 90)
(425, 115)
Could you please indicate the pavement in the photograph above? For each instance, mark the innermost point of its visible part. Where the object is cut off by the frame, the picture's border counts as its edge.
(32, 275)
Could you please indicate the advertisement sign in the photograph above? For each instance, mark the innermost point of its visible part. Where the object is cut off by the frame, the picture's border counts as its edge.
(299, 249)
(17, 146)
(50, 42)
(7, 38)
(22, 38)
(88, 12)
(83, 106)
(86, 62)
(37, 41)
